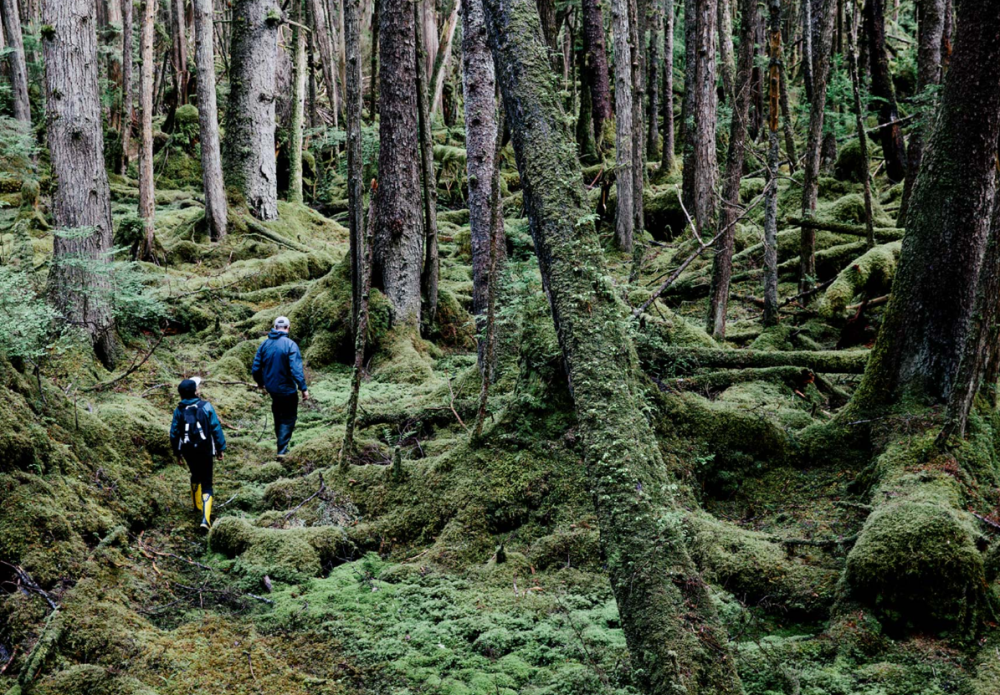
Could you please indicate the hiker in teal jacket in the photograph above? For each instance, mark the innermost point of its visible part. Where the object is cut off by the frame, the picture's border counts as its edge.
(197, 439)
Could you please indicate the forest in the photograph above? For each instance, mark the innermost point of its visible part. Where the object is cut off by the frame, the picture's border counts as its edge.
(648, 347)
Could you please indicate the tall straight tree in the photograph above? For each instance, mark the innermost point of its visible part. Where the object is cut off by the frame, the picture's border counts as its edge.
(321, 25)
(817, 113)
(15, 59)
(216, 207)
(931, 30)
(399, 226)
(637, 33)
(891, 132)
(355, 156)
(722, 263)
(479, 89)
(431, 272)
(770, 316)
(596, 64)
(126, 116)
(147, 65)
(667, 146)
(624, 176)
(653, 79)
(919, 346)
(248, 151)
(673, 633)
(179, 54)
(690, 98)
(297, 125)
(727, 61)
(81, 201)
(706, 171)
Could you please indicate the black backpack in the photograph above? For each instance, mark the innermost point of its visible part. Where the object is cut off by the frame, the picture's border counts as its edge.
(196, 437)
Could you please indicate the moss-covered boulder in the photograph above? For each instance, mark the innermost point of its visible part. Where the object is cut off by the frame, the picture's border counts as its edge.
(849, 166)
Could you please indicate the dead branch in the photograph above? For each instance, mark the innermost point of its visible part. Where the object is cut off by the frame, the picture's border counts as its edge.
(106, 384)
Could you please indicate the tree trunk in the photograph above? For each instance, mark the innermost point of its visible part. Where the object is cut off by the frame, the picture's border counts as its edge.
(673, 633)
(585, 141)
(920, 343)
(341, 60)
(688, 104)
(112, 48)
(929, 38)
(722, 263)
(325, 45)
(786, 122)
(773, 161)
(810, 179)
(147, 65)
(667, 146)
(653, 80)
(884, 93)
(637, 24)
(179, 56)
(705, 105)
(248, 151)
(399, 229)
(431, 272)
(126, 116)
(852, 62)
(353, 87)
(479, 83)
(81, 201)
(216, 209)
(807, 48)
(297, 125)
(624, 176)
(15, 59)
(596, 64)
(436, 85)
(946, 36)
(375, 48)
(727, 60)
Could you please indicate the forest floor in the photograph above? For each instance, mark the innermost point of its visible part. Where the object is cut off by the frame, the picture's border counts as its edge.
(466, 569)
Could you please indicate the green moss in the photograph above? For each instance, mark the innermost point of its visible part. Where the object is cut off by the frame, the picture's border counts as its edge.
(849, 166)
(870, 274)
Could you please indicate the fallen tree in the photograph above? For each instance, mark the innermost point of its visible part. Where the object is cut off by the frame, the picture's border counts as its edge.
(686, 359)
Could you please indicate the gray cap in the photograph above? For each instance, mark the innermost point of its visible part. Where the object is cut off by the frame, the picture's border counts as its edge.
(281, 322)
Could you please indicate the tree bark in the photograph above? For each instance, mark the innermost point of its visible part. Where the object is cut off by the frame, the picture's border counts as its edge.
(637, 30)
(81, 202)
(479, 84)
(667, 146)
(807, 49)
(920, 343)
(727, 60)
(817, 111)
(248, 151)
(353, 87)
(325, 45)
(126, 116)
(688, 104)
(596, 64)
(653, 80)
(295, 129)
(216, 208)
(431, 272)
(893, 148)
(179, 56)
(673, 633)
(399, 228)
(375, 48)
(147, 65)
(705, 105)
(786, 123)
(436, 84)
(852, 62)
(15, 60)
(929, 39)
(722, 263)
(770, 317)
(624, 177)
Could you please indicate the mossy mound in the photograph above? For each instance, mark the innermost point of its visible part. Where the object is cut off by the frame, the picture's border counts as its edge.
(850, 209)
(849, 165)
(871, 274)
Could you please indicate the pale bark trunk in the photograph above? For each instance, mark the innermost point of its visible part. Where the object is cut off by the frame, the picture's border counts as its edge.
(298, 106)
(179, 56)
(216, 211)
(624, 177)
(114, 64)
(431, 271)
(126, 116)
(81, 201)
(673, 632)
(248, 150)
(704, 112)
(399, 227)
(667, 146)
(637, 23)
(479, 83)
(353, 86)
(653, 80)
(727, 60)
(770, 317)
(807, 48)
(375, 48)
(442, 58)
(147, 30)
(15, 59)
(325, 46)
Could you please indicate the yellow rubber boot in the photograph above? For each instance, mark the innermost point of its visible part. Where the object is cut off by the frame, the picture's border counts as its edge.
(206, 503)
(196, 495)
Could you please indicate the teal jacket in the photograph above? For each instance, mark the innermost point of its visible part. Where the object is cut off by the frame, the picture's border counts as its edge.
(214, 426)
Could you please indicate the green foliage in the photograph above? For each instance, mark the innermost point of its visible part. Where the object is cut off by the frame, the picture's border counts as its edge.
(31, 328)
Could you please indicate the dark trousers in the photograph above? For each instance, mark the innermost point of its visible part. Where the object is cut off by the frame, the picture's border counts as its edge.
(201, 471)
(285, 410)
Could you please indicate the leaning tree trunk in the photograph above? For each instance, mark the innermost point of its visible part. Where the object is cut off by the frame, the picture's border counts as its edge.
(147, 30)
(920, 343)
(430, 276)
(810, 179)
(479, 83)
(596, 63)
(673, 633)
(126, 115)
(399, 229)
(353, 84)
(248, 151)
(624, 177)
(706, 172)
(216, 211)
(81, 201)
(891, 133)
(667, 146)
(770, 317)
(928, 74)
(295, 128)
(722, 263)
(15, 59)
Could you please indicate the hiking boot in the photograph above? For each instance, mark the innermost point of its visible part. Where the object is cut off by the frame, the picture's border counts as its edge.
(206, 519)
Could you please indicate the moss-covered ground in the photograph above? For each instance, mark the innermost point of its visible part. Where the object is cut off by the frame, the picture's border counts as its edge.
(474, 569)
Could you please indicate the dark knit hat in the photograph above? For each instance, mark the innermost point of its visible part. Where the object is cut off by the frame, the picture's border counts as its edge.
(188, 388)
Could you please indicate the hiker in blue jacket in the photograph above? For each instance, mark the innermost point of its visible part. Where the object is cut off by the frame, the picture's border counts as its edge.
(277, 368)
(196, 437)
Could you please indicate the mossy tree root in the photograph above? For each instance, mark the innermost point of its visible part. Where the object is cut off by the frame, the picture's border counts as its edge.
(871, 273)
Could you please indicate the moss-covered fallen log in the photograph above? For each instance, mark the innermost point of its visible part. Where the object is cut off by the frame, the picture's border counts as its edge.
(723, 379)
(686, 359)
(883, 234)
(871, 273)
